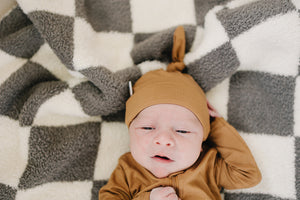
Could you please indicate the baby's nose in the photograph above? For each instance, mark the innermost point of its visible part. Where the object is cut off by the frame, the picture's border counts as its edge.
(165, 139)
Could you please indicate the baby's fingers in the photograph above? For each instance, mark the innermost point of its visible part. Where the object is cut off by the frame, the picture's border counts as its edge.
(163, 193)
(168, 190)
(170, 193)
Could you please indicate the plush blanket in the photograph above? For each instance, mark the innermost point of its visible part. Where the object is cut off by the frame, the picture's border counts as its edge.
(64, 72)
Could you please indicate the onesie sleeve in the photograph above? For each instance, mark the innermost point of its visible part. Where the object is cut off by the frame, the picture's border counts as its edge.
(117, 187)
(235, 166)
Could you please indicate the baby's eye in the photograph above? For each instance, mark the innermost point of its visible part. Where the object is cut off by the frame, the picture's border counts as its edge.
(182, 131)
(147, 128)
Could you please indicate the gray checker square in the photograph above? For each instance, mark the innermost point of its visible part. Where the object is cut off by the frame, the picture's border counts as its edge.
(109, 15)
(209, 71)
(243, 18)
(261, 103)
(61, 154)
(7, 192)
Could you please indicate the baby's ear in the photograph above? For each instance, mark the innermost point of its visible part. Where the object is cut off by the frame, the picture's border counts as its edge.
(212, 111)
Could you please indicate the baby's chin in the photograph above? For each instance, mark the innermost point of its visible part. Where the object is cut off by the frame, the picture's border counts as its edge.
(160, 173)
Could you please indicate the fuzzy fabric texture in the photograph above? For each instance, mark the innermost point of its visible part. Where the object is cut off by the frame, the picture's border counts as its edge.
(64, 72)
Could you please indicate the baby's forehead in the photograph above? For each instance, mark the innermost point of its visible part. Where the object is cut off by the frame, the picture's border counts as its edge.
(171, 111)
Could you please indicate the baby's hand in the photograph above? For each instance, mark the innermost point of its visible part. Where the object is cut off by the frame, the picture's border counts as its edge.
(163, 193)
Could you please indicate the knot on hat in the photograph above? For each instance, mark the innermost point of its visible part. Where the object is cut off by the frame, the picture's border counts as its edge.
(175, 66)
(178, 50)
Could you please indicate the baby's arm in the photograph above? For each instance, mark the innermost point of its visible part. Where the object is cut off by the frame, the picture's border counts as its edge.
(116, 188)
(235, 166)
(119, 186)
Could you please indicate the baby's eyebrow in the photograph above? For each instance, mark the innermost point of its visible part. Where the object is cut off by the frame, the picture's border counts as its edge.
(145, 119)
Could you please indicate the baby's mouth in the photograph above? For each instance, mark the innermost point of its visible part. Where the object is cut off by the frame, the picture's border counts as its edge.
(162, 159)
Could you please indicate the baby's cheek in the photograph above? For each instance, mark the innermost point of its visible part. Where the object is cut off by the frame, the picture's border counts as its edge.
(138, 147)
(192, 152)
(139, 140)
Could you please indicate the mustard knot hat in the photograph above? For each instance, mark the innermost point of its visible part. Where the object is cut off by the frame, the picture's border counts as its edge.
(170, 87)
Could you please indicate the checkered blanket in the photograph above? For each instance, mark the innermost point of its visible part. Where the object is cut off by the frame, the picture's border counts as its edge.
(64, 72)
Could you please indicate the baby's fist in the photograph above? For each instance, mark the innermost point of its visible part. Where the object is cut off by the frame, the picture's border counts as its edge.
(163, 193)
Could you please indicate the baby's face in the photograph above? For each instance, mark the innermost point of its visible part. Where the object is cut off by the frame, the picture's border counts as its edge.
(165, 138)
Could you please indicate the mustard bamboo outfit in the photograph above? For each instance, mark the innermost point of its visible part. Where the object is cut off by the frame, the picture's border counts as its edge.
(228, 163)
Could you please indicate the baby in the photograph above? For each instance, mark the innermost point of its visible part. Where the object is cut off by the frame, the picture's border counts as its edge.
(177, 151)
